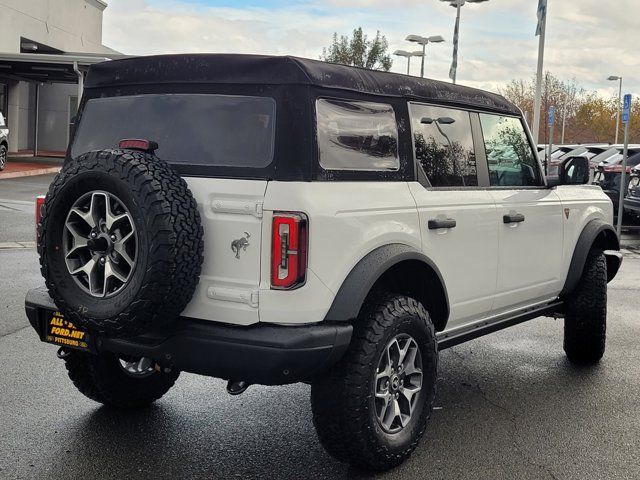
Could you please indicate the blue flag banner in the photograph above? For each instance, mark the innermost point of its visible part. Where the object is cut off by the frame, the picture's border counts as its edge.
(542, 16)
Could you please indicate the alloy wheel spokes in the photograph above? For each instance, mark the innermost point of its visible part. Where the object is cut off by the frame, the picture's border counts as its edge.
(398, 383)
(100, 243)
(137, 367)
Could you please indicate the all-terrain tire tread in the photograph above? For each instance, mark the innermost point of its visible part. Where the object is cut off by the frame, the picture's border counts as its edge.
(99, 378)
(339, 415)
(176, 240)
(585, 322)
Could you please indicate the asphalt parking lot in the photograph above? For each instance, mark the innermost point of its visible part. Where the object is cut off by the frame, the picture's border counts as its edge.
(508, 405)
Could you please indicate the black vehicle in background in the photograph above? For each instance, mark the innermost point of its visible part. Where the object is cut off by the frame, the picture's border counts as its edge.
(632, 200)
(608, 175)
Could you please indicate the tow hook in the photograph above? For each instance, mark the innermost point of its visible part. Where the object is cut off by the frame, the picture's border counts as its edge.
(236, 387)
(63, 353)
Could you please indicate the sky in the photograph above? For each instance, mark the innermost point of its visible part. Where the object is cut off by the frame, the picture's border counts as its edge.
(587, 40)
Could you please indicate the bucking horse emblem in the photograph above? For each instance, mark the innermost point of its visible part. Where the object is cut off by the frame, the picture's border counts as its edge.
(240, 244)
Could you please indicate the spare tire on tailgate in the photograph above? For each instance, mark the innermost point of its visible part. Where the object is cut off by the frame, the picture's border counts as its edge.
(120, 242)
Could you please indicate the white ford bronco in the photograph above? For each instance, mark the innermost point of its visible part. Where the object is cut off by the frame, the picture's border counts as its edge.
(272, 220)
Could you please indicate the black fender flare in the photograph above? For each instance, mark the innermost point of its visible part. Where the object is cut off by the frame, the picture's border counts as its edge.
(356, 286)
(595, 233)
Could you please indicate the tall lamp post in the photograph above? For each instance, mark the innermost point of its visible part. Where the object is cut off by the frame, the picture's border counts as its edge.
(457, 4)
(424, 41)
(614, 78)
(408, 55)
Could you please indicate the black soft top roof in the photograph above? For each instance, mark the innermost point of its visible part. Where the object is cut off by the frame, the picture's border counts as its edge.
(271, 70)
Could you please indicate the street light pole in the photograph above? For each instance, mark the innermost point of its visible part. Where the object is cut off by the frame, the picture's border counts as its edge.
(420, 40)
(408, 55)
(614, 78)
(564, 117)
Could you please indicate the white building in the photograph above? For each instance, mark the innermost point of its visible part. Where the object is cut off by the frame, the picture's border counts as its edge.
(45, 45)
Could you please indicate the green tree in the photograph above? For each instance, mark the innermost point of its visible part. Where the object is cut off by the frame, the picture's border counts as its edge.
(359, 51)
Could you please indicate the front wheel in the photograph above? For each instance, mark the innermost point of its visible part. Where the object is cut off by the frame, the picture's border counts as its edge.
(585, 321)
(371, 410)
(119, 381)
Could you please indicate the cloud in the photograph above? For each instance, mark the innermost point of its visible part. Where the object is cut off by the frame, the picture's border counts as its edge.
(586, 40)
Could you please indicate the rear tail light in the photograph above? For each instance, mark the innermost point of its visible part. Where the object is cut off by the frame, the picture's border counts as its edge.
(289, 240)
(39, 208)
(138, 144)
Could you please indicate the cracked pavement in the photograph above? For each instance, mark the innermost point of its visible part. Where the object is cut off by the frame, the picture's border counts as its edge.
(508, 406)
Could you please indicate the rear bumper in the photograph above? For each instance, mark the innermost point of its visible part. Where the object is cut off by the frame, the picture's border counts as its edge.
(262, 354)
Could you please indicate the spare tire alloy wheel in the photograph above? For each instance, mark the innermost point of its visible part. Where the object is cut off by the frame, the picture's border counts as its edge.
(100, 243)
(120, 242)
(398, 383)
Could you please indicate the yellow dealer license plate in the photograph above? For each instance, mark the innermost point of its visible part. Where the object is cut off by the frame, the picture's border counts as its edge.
(64, 333)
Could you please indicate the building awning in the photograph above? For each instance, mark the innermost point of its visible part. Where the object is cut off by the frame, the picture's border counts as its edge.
(46, 68)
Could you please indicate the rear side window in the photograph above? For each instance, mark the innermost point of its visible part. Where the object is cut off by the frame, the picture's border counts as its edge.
(356, 135)
(216, 130)
(511, 160)
(443, 145)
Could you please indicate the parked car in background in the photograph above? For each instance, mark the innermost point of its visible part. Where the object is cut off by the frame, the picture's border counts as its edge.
(595, 150)
(567, 151)
(604, 156)
(4, 143)
(632, 200)
(608, 175)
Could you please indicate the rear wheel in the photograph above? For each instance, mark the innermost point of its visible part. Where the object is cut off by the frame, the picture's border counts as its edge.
(118, 381)
(372, 409)
(585, 322)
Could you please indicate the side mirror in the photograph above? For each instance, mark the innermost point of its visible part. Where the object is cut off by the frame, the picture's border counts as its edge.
(574, 171)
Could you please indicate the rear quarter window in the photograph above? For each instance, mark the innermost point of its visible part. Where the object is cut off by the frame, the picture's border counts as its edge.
(193, 129)
(357, 135)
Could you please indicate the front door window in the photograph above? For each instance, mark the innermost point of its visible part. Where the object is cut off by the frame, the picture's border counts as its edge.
(512, 162)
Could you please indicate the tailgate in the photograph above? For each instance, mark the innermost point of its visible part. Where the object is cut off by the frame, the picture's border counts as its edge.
(231, 215)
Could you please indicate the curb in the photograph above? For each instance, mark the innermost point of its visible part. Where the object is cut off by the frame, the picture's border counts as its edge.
(29, 173)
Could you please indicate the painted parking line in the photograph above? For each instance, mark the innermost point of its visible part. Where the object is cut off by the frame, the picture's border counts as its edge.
(16, 245)
(17, 206)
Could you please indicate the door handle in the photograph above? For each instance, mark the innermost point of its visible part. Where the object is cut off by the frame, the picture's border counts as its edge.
(513, 218)
(435, 223)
